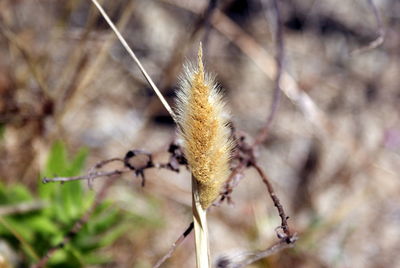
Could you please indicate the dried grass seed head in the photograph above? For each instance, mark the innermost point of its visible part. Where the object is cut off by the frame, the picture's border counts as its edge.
(202, 118)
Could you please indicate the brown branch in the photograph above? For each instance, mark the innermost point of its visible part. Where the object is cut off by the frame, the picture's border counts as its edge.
(279, 58)
(175, 161)
(176, 244)
(233, 180)
(245, 154)
(284, 225)
(242, 158)
(89, 176)
(99, 165)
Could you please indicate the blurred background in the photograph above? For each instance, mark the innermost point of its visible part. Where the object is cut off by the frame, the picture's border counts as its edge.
(70, 96)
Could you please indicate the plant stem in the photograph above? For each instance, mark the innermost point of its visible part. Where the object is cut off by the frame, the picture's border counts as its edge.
(200, 229)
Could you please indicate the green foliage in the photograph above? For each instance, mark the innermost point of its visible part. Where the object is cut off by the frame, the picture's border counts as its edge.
(35, 232)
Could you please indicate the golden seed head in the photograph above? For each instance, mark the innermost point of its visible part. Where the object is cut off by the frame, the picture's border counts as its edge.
(202, 118)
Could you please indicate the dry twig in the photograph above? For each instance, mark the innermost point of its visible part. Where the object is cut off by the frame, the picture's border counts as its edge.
(176, 244)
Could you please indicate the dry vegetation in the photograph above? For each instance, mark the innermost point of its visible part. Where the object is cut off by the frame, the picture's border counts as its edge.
(332, 152)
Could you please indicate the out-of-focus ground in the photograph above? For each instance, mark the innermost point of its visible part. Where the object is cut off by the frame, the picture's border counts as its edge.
(63, 76)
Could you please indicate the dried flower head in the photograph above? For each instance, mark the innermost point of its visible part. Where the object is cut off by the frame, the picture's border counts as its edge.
(202, 118)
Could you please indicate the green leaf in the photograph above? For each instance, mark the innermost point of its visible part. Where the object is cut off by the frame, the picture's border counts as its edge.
(56, 239)
(96, 259)
(56, 166)
(68, 202)
(19, 193)
(59, 257)
(77, 256)
(73, 191)
(57, 161)
(78, 163)
(14, 194)
(42, 224)
(68, 198)
(18, 229)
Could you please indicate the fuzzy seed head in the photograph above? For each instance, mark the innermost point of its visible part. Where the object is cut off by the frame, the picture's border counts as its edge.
(202, 118)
